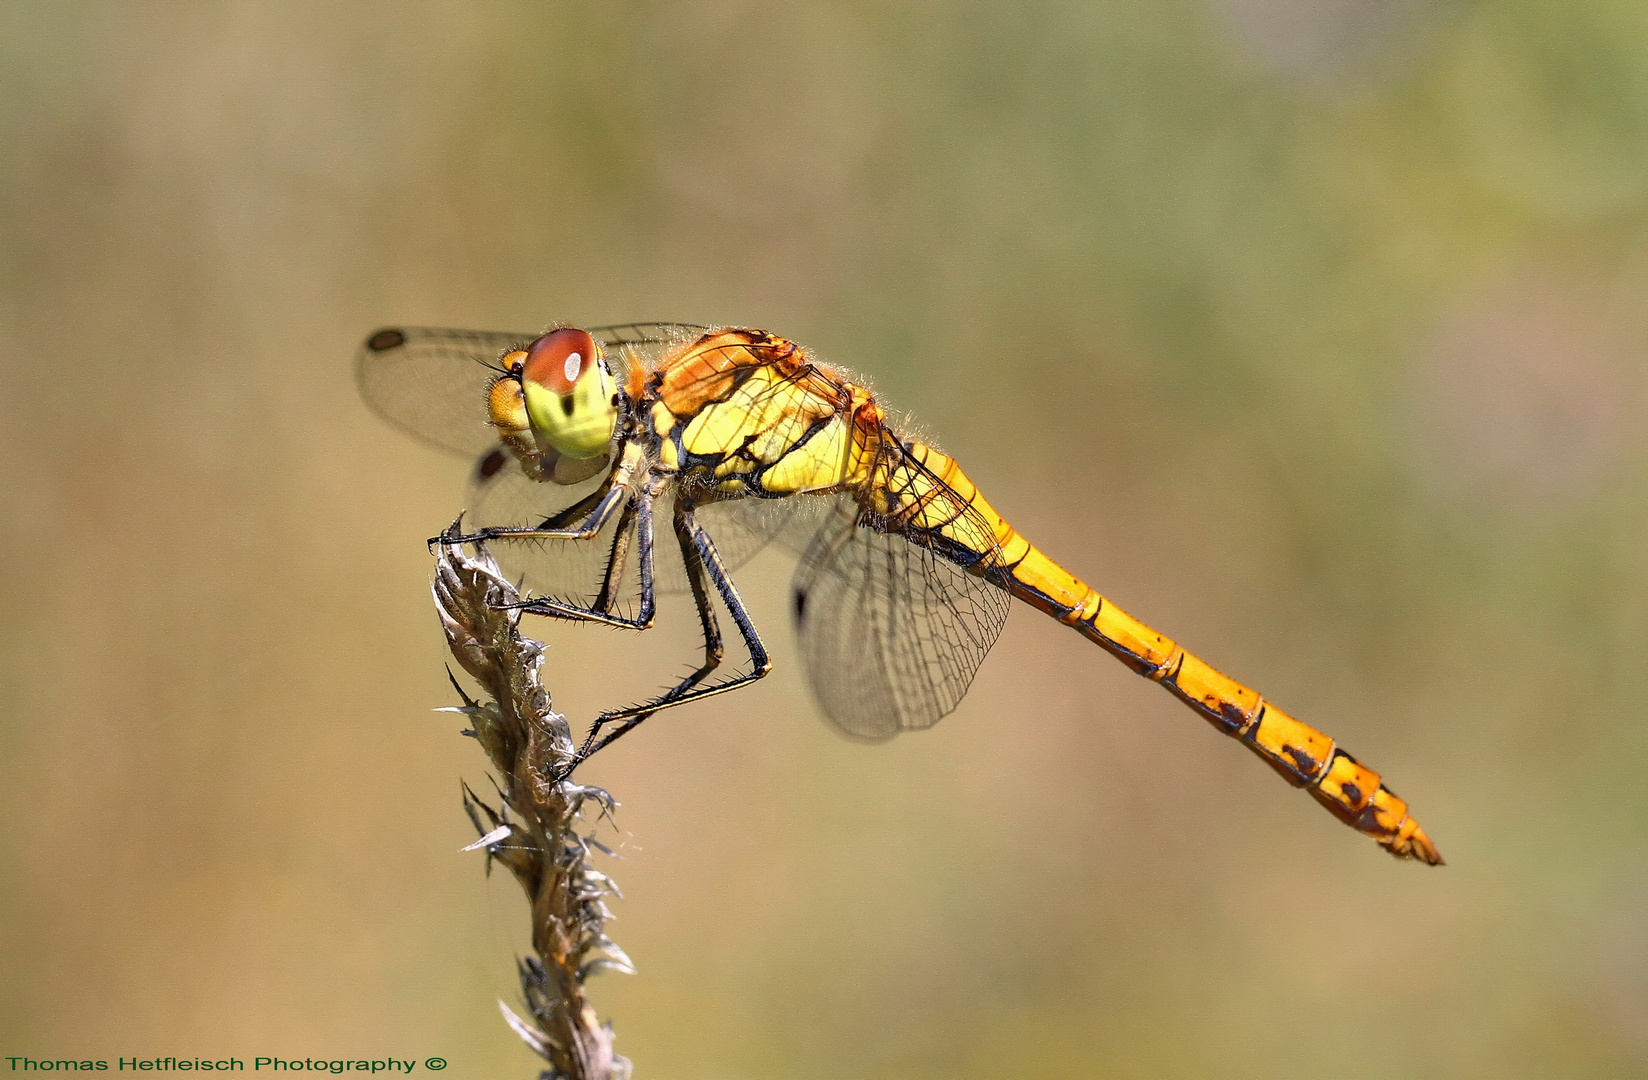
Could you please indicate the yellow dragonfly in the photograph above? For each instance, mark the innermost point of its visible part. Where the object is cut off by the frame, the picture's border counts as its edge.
(586, 439)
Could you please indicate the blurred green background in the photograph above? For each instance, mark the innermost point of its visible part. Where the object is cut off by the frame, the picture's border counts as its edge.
(1311, 332)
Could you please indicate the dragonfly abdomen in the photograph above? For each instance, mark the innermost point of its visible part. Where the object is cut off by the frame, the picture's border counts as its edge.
(1303, 756)
(933, 486)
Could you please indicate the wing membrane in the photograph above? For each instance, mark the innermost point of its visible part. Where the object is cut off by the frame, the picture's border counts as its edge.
(741, 529)
(645, 342)
(574, 570)
(432, 383)
(891, 631)
(503, 496)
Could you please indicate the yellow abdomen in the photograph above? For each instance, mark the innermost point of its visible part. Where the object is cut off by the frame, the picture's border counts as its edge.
(931, 488)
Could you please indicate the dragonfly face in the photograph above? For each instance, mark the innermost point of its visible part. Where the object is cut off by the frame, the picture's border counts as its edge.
(561, 389)
(906, 572)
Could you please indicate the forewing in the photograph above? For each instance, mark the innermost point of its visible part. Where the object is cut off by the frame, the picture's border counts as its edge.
(645, 343)
(891, 632)
(433, 383)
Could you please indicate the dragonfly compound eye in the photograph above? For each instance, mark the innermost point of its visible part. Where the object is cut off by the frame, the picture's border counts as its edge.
(569, 393)
(506, 406)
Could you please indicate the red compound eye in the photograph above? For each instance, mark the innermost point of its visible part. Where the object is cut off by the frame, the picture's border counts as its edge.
(556, 360)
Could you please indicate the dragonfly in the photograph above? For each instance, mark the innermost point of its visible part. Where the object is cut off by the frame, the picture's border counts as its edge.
(584, 441)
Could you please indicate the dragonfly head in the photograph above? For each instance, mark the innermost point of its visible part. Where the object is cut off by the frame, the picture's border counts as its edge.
(567, 393)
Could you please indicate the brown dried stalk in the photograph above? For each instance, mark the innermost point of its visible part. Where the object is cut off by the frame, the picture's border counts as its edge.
(534, 832)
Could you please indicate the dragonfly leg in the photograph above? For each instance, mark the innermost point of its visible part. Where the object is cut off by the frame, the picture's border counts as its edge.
(714, 650)
(613, 493)
(576, 511)
(641, 509)
(583, 530)
(617, 560)
(702, 560)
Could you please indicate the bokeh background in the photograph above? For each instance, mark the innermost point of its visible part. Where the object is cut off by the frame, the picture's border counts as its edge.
(1311, 331)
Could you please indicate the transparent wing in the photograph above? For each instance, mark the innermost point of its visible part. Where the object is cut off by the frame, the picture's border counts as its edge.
(574, 571)
(502, 495)
(645, 343)
(432, 383)
(741, 529)
(891, 631)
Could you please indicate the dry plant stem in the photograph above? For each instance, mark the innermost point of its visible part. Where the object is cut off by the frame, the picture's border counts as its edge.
(534, 830)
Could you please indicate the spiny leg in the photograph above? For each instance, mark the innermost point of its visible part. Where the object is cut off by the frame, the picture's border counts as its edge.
(563, 518)
(642, 509)
(614, 492)
(592, 524)
(706, 559)
(714, 649)
(617, 558)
